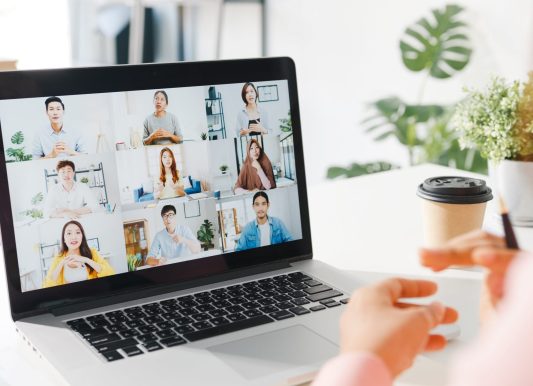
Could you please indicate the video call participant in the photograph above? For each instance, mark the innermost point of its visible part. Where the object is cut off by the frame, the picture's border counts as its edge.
(256, 172)
(75, 261)
(53, 140)
(169, 185)
(173, 242)
(265, 229)
(69, 198)
(161, 127)
(251, 119)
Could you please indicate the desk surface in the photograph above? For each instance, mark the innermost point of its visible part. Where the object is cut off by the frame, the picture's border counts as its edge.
(350, 222)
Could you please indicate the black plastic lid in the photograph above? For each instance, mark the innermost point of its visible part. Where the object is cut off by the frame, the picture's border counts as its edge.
(455, 190)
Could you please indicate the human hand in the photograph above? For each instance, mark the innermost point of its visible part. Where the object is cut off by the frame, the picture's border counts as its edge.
(256, 128)
(67, 149)
(75, 261)
(58, 148)
(70, 214)
(154, 262)
(177, 238)
(245, 131)
(475, 248)
(164, 133)
(376, 321)
(256, 165)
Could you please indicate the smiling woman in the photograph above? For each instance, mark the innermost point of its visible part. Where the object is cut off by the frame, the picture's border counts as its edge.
(75, 261)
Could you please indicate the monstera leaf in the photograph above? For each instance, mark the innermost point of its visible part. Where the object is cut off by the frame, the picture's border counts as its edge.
(17, 138)
(437, 44)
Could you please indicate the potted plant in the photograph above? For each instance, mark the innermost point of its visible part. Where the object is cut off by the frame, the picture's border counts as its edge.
(499, 122)
(224, 169)
(35, 212)
(84, 180)
(17, 153)
(203, 136)
(206, 234)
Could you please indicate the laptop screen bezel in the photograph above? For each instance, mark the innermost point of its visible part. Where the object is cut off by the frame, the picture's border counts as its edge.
(75, 81)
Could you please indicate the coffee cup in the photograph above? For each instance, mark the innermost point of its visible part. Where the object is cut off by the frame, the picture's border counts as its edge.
(451, 206)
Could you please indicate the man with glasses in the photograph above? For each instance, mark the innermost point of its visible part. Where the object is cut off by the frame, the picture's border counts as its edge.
(173, 242)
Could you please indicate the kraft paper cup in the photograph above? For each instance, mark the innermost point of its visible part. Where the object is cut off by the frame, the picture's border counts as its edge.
(451, 206)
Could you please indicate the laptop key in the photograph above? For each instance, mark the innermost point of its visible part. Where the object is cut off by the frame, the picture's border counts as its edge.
(300, 301)
(218, 313)
(236, 317)
(147, 329)
(200, 317)
(183, 321)
(317, 289)
(146, 338)
(115, 344)
(297, 294)
(152, 346)
(132, 351)
(165, 325)
(282, 298)
(326, 301)
(219, 321)
(94, 332)
(317, 308)
(284, 305)
(234, 309)
(129, 333)
(183, 329)
(332, 304)
(173, 341)
(201, 325)
(313, 283)
(299, 310)
(345, 301)
(269, 309)
(112, 355)
(222, 304)
(227, 328)
(251, 305)
(100, 339)
(280, 315)
(324, 295)
(251, 313)
(165, 333)
(266, 301)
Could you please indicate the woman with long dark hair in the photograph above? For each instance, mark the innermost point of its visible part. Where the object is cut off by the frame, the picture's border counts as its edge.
(75, 261)
(252, 119)
(169, 184)
(256, 172)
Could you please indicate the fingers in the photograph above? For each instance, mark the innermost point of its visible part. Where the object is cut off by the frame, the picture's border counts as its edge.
(450, 314)
(397, 288)
(435, 342)
(458, 251)
(495, 259)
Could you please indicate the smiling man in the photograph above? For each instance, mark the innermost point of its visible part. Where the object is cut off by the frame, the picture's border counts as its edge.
(69, 198)
(54, 140)
(265, 229)
(173, 242)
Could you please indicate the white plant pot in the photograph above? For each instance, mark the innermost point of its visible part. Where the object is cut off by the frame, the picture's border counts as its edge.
(513, 180)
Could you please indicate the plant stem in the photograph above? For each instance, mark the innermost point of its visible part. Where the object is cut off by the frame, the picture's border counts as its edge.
(422, 88)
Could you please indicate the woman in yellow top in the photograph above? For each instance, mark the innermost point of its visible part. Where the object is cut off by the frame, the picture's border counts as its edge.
(170, 184)
(75, 261)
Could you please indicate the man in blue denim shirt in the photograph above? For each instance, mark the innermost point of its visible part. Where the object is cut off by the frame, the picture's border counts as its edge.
(264, 230)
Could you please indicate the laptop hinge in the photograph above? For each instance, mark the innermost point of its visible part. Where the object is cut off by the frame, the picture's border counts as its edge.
(77, 306)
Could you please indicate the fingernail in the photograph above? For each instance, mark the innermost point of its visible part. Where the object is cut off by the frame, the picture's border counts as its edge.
(438, 310)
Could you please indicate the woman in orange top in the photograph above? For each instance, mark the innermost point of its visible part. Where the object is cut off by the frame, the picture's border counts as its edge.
(75, 261)
(256, 172)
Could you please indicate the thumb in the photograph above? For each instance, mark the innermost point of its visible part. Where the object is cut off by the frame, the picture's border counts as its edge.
(432, 314)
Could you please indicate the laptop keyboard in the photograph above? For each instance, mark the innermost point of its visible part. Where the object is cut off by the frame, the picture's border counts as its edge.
(153, 326)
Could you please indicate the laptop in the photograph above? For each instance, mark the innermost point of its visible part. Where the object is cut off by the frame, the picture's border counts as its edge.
(155, 225)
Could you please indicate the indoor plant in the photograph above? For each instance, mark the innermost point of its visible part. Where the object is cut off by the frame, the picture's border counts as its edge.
(17, 153)
(224, 168)
(499, 122)
(206, 234)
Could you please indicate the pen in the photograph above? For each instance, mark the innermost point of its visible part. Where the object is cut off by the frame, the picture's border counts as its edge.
(510, 238)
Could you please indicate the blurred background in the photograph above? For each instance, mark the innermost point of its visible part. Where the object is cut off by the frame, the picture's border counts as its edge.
(363, 98)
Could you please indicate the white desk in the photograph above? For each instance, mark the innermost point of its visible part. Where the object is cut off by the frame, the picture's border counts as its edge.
(370, 224)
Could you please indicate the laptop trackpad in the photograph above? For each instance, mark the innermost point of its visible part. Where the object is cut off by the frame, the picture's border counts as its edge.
(275, 351)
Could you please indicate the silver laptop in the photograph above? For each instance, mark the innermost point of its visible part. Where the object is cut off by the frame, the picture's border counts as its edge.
(155, 225)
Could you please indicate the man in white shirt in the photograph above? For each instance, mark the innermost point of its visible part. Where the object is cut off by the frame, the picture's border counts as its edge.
(69, 198)
(54, 141)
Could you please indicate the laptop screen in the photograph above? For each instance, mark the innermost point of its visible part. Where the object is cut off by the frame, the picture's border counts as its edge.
(111, 183)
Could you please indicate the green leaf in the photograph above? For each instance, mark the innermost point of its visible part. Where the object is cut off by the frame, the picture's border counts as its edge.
(436, 40)
(17, 138)
(356, 169)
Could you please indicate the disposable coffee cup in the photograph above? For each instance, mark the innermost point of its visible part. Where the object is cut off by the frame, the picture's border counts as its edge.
(451, 206)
